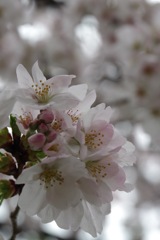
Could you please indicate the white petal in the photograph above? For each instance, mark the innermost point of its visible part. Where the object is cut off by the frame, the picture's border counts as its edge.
(93, 219)
(61, 81)
(65, 101)
(91, 115)
(105, 114)
(89, 190)
(71, 218)
(24, 78)
(117, 181)
(117, 141)
(127, 187)
(37, 73)
(79, 91)
(48, 214)
(85, 105)
(28, 174)
(127, 155)
(105, 192)
(32, 199)
(106, 208)
(63, 196)
(72, 168)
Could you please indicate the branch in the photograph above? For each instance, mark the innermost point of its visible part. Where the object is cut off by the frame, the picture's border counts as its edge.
(13, 217)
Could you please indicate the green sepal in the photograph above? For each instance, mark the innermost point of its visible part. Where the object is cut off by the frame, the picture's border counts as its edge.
(7, 164)
(3, 161)
(40, 155)
(7, 189)
(32, 156)
(15, 130)
(30, 133)
(5, 137)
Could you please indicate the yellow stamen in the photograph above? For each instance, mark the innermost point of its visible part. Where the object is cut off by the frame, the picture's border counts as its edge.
(42, 91)
(57, 125)
(51, 176)
(96, 169)
(94, 139)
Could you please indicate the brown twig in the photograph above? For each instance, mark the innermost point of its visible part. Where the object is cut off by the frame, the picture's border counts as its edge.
(15, 229)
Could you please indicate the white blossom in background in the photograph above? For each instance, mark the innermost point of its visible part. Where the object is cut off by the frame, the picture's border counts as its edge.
(1, 238)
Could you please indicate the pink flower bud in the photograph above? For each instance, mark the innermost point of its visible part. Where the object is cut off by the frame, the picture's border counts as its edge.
(46, 115)
(36, 141)
(52, 136)
(43, 128)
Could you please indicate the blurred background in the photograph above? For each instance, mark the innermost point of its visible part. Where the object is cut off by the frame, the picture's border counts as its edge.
(114, 47)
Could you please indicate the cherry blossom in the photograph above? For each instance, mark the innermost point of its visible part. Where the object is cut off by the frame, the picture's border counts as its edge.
(41, 92)
(96, 135)
(51, 182)
(24, 116)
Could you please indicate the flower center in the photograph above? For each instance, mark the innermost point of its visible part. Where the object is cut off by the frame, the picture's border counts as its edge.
(94, 139)
(51, 176)
(57, 125)
(25, 119)
(73, 115)
(96, 169)
(43, 91)
(54, 147)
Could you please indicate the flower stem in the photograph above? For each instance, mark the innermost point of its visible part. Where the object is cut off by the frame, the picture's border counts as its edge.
(13, 217)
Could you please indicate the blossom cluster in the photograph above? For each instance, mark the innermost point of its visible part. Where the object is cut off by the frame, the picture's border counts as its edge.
(65, 157)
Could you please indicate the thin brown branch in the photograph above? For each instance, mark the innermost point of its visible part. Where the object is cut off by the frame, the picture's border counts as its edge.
(13, 218)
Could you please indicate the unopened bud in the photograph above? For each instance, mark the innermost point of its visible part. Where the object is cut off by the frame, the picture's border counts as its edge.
(51, 136)
(46, 115)
(33, 125)
(43, 128)
(36, 141)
